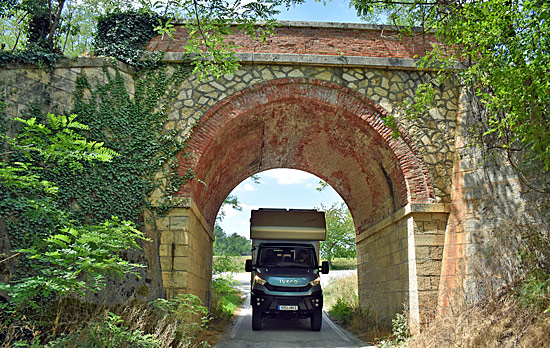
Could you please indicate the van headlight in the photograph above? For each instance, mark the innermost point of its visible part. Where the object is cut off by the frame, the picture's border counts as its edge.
(259, 280)
(315, 282)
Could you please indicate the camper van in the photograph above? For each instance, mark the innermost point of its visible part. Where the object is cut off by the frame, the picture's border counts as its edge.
(286, 274)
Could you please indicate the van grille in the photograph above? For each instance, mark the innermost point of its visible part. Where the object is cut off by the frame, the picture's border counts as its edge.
(288, 288)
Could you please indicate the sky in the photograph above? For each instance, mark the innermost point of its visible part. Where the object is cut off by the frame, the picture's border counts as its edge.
(321, 11)
(288, 188)
(278, 188)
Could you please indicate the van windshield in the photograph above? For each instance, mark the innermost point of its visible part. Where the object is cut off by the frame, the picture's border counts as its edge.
(290, 256)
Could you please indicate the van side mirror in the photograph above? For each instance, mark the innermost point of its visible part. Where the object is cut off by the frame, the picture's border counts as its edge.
(324, 267)
(248, 265)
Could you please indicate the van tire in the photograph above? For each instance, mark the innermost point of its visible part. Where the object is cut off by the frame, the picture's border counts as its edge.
(316, 320)
(256, 319)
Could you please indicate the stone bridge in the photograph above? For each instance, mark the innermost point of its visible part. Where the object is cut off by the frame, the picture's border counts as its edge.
(312, 98)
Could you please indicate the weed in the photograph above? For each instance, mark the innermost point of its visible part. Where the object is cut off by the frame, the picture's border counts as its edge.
(107, 333)
(534, 291)
(342, 310)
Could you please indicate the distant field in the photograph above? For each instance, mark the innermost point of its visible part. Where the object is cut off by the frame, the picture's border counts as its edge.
(337, 264)
(343, 263)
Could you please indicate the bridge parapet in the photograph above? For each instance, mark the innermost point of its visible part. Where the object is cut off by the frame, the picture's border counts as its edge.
(321, 39)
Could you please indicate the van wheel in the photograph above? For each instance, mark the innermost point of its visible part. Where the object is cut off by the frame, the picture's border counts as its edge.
(316, 321)
(256, 319)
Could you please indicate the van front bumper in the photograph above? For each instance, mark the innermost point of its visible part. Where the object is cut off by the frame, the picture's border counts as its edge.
(286, 306)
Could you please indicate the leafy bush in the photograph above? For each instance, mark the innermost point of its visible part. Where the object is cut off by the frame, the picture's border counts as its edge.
(342, 310)
(56, 257)
(38, 56)
(226, 299)
(74, 260)
(226, 264)
(399, 334)
(186, 310)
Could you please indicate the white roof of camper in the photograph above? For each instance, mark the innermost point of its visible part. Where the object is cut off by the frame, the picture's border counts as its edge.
(283, 224)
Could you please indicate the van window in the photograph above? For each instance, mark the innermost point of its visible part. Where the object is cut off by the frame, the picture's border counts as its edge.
(286, 257)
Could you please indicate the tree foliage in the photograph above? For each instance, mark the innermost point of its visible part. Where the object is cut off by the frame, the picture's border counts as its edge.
(504, 49)
(73, 260)
(62, 257)
(209, 22)
(68, 26)
(340, 241)
(233, 244)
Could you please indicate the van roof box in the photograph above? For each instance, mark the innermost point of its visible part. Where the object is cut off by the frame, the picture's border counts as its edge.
(283, 224)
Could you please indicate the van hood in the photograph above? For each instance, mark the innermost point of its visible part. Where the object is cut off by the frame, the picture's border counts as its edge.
(291, 277)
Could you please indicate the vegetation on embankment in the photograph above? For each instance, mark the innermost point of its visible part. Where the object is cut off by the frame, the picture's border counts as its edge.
(516, 314)
(342, 302)
(498, 322)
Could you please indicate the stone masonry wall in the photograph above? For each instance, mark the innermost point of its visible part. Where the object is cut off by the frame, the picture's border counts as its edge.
(399, 263)
(382, 270)
(26, 86)
(429, 230)
(488, 201)
(185, 252)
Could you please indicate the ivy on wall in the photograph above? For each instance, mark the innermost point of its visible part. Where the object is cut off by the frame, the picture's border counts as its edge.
(124, 36)
(133, 126)
(130, 124)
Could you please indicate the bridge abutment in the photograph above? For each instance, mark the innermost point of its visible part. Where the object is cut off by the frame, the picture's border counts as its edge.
(399, 263)
(185, 251)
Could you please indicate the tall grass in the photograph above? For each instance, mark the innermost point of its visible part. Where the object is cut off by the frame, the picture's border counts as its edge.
(342, 301)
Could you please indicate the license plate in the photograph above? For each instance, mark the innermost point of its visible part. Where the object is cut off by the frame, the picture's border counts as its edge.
(288, 308)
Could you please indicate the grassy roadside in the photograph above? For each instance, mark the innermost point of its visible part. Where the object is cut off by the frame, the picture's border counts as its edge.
(225, 302)
(512, 318)
(341, 263)
(342, 302)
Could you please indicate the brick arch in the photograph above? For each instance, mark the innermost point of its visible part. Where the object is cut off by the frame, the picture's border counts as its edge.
(311, 125)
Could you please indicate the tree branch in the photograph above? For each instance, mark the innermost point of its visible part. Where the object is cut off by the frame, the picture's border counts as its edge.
(11, 257)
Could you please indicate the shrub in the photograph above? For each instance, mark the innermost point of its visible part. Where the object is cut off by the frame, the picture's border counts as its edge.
(125, 35)
(226, 264)
(534, 291)
(177, 322)
(342, 310)
(226, 299)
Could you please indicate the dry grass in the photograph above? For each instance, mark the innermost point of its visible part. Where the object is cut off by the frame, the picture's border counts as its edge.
(501, 322)
(344, 287)
(75, 321)
(342, 301)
